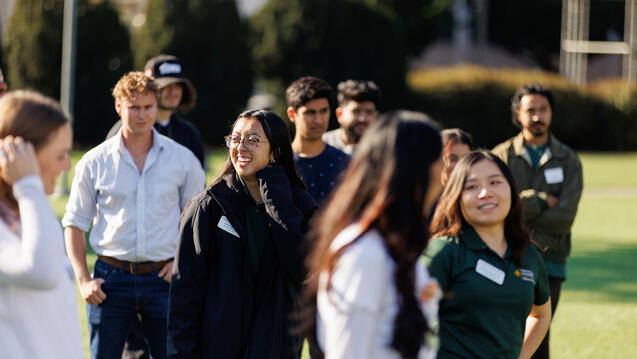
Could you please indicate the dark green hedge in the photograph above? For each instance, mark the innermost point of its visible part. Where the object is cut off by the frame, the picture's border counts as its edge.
(597, 117)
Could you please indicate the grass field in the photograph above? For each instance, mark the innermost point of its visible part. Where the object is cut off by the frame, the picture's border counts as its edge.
(597, 313)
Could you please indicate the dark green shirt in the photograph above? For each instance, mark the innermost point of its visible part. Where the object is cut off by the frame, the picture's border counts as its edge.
(536, 153)
(257, 229)
(478, 317)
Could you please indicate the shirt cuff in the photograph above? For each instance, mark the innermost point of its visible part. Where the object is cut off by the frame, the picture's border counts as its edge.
(26, 185)
(73, 220)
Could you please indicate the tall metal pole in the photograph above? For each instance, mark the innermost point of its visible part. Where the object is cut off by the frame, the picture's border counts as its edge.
(630, 37)
(67, 83)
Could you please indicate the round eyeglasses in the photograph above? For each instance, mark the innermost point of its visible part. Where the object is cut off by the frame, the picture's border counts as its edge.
(249, 143)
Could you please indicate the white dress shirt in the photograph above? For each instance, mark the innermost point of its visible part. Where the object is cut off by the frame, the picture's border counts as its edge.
(355, 317)
(135, 215)
(38, 308)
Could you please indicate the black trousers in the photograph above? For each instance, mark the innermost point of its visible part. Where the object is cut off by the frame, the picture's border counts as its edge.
(555, 284)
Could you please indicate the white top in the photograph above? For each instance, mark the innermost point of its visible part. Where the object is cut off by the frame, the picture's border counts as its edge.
(355, 318)
(136, 215)
(333, 138)
(38, 307)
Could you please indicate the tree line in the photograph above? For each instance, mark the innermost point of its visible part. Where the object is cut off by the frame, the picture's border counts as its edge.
(227, 57)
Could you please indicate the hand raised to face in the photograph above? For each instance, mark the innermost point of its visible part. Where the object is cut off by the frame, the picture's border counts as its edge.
(17, 159)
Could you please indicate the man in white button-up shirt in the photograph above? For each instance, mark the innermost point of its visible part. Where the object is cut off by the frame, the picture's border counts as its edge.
(132, 188)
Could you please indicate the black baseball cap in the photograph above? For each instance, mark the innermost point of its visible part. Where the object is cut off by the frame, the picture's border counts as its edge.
(166, 70)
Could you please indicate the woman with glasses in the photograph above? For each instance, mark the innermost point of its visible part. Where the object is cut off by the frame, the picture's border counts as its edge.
(497, 303)
(239, 263)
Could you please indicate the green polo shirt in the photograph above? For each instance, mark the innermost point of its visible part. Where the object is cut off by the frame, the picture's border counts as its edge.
(480, 318)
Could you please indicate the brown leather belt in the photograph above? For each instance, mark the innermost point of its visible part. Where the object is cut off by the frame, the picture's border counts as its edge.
(135, 268)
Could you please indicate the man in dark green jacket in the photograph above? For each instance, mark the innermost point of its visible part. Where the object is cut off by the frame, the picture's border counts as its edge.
(549, 177)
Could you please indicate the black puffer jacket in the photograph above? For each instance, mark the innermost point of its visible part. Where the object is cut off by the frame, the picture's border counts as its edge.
(215, 311)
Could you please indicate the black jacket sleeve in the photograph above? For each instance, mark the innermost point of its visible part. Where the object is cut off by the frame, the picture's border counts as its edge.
(198, 149)
(187, 134)
(190, 278)
(289, 214)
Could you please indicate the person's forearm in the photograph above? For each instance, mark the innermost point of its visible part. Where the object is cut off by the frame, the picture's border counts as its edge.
(76, 249)
(536, 328)
(36, 261)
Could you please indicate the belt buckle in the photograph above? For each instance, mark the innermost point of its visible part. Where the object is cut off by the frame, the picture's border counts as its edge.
(131, 268)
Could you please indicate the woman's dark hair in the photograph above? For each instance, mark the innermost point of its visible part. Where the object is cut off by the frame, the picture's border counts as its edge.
(35, 118)
(448, 219)
(279, 137)
(384, 187)
(452, 136)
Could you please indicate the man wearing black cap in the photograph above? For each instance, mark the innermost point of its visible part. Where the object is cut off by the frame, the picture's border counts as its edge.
(175, 93)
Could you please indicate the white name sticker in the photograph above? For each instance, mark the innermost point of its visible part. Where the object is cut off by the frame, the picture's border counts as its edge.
(554, 175)
(224, 224)
(490, 272)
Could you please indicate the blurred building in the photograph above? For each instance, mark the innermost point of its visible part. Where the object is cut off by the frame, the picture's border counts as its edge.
(468, 44)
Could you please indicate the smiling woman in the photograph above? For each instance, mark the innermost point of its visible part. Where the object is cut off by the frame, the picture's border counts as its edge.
(239, 264)
(496, 282)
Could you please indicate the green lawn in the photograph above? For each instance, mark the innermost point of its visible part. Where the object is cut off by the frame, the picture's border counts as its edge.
(597, 313)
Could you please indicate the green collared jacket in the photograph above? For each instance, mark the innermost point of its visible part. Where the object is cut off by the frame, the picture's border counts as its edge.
(559, 174)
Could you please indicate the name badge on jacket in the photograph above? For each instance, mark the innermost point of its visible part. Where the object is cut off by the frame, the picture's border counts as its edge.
(554, 175)
(224, 224)
(490, 271)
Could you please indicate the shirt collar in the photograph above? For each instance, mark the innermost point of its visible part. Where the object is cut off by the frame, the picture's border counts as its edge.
(244, 188)
(553, 149)
(159, 142)
(473, 241)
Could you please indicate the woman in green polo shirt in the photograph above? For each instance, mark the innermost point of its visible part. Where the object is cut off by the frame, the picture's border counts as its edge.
(496, 302)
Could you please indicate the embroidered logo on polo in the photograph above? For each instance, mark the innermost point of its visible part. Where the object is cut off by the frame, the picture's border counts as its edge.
(526, 275)
(168, 68)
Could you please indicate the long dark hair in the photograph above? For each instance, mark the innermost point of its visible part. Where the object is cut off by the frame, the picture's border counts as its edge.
(35, 118)
(279, 137)
(448, 219)
(384, 187)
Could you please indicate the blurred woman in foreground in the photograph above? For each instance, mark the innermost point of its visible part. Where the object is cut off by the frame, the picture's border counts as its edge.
(38, 308)
(367, 296)
(497, 301)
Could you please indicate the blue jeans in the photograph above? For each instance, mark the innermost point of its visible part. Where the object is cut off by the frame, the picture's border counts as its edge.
(126, 296)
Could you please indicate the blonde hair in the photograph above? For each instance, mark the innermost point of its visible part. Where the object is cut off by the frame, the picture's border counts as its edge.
(133, 83)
